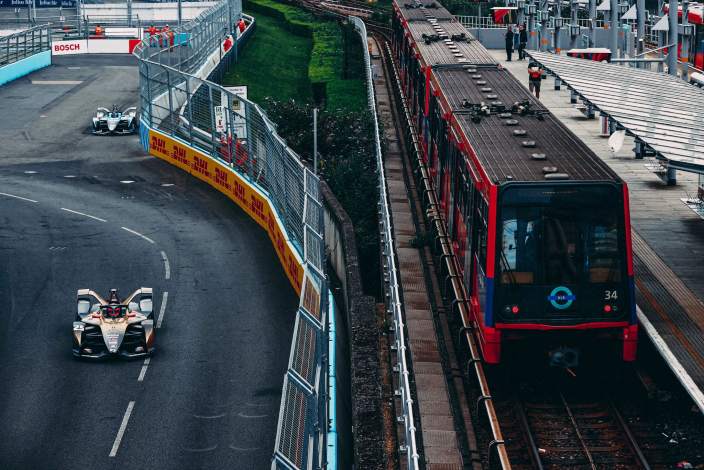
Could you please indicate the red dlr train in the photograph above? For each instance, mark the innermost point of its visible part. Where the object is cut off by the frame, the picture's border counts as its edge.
(539, 223)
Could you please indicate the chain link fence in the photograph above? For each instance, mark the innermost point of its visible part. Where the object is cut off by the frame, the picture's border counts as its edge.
(177, 99)
(23, 44)
(393, 298)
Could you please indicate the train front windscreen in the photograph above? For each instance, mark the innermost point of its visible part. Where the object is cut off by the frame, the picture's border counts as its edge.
(561, 254)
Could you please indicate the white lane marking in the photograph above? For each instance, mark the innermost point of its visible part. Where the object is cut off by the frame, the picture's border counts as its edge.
(674, 364)
(206, 449)
(162, 309)
(42, 115)
(166, 185)
(221, 415)
(30, 172)
(244, 415)
(57, 82)
(121, 431)
(18, 197)
(69, 176)
(139, 234)
(143, 372)
(73, 68)
(126, 181)
(243, 449)
(84, 215)
(167, 266)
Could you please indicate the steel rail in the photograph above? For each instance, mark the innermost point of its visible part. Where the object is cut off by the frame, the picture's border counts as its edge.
(629, 437)
(525, 427)
(580, 437)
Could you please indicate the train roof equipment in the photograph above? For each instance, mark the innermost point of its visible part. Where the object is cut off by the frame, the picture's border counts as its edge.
(514, 137)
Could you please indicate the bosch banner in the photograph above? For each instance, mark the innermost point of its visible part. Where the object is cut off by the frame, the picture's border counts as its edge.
(79, 46)
(225, 180)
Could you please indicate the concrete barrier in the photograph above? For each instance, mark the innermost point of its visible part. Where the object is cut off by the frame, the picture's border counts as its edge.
(24, 67)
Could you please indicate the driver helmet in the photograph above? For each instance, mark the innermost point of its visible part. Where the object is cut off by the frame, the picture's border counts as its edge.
(113, 298)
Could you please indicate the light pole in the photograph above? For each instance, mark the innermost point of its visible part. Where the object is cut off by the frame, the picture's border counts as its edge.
(672, 39)
(614, 29)
(315, 141)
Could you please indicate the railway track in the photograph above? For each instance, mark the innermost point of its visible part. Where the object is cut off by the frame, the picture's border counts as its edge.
(554, 422)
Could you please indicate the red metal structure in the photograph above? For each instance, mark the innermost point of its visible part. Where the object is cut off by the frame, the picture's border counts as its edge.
(695, 16)
(539, 223)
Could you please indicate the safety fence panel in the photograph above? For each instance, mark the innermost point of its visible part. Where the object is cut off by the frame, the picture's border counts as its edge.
(24, 44)
(394, 303)
(301, 434)
(230, 143)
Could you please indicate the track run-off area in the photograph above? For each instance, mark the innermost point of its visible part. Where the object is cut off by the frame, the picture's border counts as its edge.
(83, 211)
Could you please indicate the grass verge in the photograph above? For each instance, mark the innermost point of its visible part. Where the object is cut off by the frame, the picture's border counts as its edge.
(329, 74)
(274, 64)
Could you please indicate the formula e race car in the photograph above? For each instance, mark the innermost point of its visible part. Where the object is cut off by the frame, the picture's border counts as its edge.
(115, 121)
(113, 328)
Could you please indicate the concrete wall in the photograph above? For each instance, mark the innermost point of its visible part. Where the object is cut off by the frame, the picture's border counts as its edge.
(24, 67)
(363, 391)
(148, 11)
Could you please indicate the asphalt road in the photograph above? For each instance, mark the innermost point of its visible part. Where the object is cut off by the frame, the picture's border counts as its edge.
(209, 397)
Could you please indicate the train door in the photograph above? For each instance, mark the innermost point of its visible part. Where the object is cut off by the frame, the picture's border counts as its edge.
(481, 235)
(451, 177)
(470, 248)
(460, 194)
(436, 129)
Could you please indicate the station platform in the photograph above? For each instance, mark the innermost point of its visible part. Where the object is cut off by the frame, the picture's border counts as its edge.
(668, 241)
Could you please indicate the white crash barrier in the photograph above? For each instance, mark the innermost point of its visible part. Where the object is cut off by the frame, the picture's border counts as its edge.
(94, 46)
(111, 32)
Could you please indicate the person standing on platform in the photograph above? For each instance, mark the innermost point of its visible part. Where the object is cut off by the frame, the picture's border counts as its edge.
(522, 41)
(535, 75)
(509, 42)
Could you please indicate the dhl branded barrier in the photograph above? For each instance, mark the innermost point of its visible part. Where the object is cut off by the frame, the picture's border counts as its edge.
(227, 141)
(234, 186)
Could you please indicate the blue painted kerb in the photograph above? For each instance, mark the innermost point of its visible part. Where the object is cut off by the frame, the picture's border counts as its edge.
(24, 67)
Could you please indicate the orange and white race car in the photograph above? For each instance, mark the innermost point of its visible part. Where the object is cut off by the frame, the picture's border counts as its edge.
(113, 328)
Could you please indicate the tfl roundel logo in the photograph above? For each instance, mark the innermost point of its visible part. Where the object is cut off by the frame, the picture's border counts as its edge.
(561, 297)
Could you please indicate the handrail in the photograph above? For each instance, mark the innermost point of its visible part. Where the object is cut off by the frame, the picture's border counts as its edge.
(389, 253)
(653, 50)
(24, 32)
(461, 301)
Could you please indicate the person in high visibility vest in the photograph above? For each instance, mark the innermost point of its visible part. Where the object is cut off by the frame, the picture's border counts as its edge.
(227, 43)
(163, 37)
(98, 30)
(226, 147)
(535, 75)
(152, 33)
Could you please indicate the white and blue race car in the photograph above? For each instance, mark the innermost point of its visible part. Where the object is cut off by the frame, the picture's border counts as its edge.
(115, 121)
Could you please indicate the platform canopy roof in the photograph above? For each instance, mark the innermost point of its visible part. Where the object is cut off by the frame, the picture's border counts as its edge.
(662, 111)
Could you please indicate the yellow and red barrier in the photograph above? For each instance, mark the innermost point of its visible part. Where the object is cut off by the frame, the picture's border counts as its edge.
(246, 195)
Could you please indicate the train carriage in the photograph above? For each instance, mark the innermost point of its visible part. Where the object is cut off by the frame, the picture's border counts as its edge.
(539, 224)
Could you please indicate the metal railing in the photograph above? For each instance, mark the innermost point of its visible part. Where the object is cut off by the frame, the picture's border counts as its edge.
(485, 22)
(394, 303)
(24, 44)
(176, 98)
